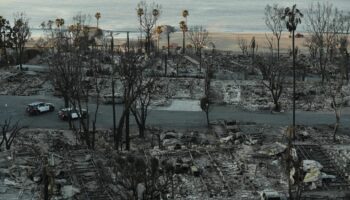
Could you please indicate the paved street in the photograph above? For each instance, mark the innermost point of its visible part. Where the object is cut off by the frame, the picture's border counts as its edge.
(171, 119)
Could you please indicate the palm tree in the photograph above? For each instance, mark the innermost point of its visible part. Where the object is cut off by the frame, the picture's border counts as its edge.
(59, 22)
(140, 12)
(168, 30)
(185, 14)
(184, 28)
(292, 17)
(159, 31)
(155, 12)
(97, 16)
(148, 15)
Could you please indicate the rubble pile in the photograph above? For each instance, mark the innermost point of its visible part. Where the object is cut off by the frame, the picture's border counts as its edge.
(231, 160)
(50, 157)
(323, 135)
(190, 88)
(19, 173)
(23, 83)
(255, 96)
(226, 166)
(230, 85)
(341, 157)
(324, 162)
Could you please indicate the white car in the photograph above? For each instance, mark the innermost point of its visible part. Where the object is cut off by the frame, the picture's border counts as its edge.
(36, 108)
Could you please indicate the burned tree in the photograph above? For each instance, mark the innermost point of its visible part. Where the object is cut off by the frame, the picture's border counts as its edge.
(81, 34)
(142, 178)
(127, 72)
(9, 132)
(326, 24)
(148, 15)
(337, 93)
(19, 36)
(130, 70)
(73, 57)
(199, 37)
(345, 58)
(150, 89)
(243, 45)
(206, 100)
(68, 44)
(5, 40)
(94, 66)
(310, 44)
(274, 22)
(62, 63)
(273, 78)
(89, 82)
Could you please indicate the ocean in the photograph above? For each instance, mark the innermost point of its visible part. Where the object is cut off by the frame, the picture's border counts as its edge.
(216, 16)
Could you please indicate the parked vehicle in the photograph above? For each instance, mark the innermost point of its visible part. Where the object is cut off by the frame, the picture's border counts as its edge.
(71, 114)
(36, 108)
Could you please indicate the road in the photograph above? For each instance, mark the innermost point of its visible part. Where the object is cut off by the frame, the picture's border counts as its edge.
(14, 107)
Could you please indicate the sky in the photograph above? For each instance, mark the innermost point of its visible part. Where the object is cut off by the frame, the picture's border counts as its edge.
(216, 16)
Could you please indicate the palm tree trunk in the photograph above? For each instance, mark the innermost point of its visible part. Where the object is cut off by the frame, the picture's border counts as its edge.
(289, 163)
(336, 126)
(143, 121)
(168, 37)
(278, 48)
(347, 67)
(200, 60)
(66, 101)
(93, 134)
(128, 41)
(46, 183)
(127, 130)
(158, 44)
(114, 118)
(293, 82)
(207, 115)
(119, 141)
(166, 65)
(183, 42)
(322, 65)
